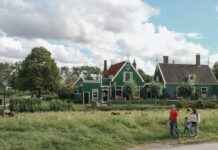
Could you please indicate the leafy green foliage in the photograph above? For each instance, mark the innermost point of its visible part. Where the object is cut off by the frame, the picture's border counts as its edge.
(147, 78)
(35, 104)
(39, 72)
(156, 88)
(25, 105)
(215, 69)
(59, 105)
(4, 74)
(65, 92)
(8, 74)
(129, 88)
(86, 71)
(186, 90)
(199, 104)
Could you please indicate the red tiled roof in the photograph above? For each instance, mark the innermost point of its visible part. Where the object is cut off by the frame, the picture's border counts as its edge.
(115, 68)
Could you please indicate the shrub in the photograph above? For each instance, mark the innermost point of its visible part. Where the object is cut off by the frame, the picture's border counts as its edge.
(199, 104)
(210, 104)
(49, 97)
(95, 104)
(59, 105)
(65, 92)
(44, 106)
(25, 105)
(177, 103)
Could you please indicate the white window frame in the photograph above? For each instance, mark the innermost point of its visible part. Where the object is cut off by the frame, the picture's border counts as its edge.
(93, 94)
(193, 80)
(206, 90)
(124, 76)
(118, 90)
(127, 66)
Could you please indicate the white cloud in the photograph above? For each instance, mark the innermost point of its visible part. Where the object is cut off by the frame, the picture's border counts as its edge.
(94, 30)
(194, 35)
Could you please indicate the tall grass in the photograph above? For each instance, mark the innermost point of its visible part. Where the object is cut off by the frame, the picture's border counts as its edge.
(93, 129)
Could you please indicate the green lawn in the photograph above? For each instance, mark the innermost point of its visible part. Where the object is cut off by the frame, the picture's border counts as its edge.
(93, 129)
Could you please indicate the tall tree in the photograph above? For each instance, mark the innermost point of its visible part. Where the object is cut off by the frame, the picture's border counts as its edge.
(147, 78)
(14, 81)
(215, 69)
(129, 89)
(156, 89)
(5, 72)
(86, 71)
(39, 72)
(186, 90)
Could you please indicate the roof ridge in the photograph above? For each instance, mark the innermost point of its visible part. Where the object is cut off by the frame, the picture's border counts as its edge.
(183, 64)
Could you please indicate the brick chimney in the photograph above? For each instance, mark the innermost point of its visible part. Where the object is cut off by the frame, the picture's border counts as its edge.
(105, 66)
(134, 63)
(165, 59)
(198, 60)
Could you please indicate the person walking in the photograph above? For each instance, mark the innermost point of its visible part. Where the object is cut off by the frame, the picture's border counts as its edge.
(195, 121)
(173, 123)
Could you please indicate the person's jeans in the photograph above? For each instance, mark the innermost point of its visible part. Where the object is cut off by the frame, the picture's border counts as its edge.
(195, 126)
(174, 128)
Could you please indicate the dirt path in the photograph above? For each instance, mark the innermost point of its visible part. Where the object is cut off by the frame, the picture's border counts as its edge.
(202, 146)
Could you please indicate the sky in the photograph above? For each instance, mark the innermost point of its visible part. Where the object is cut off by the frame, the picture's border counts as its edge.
(87, 32)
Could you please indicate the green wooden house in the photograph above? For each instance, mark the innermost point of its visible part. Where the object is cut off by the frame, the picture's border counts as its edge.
(200, 76)
(110, 85)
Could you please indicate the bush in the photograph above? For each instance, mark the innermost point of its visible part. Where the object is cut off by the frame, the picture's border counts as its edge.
(44, 106)
(49, 97)
(65, 92)
(199, 104)
(95, 104)
(25, 105)
(177, 103)
(210, 104)
(59, 105)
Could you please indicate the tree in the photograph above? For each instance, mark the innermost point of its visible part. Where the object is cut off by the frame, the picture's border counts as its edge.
(186, 90)
(215, 70)
(5, 72)
(156, 89)
(39, 72)
(147, 78)
(129, 89)
(14, 81)
(86, 71)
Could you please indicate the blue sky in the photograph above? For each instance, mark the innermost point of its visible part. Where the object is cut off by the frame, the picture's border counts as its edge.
(189, 16)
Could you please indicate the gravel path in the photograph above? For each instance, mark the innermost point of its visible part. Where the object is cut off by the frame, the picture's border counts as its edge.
(202, 146)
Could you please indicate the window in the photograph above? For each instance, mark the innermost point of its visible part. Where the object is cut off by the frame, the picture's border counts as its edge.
(95, 94)
(204, 91)
(128, 76)
(127, 66)
(119, 91)
(191, 79)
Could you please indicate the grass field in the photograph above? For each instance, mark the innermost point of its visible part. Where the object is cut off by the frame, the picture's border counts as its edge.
(94, 129)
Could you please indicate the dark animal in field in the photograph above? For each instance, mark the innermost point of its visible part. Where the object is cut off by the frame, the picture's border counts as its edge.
(115, 113)
(127, 113)
(7, 113)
